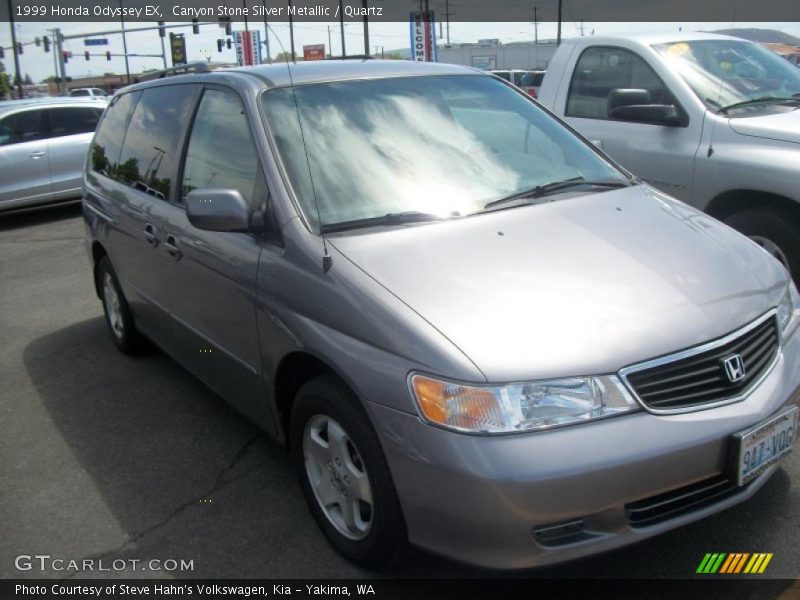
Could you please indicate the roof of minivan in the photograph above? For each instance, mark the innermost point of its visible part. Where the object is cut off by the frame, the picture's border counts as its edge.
(318, 71)
(336, 70)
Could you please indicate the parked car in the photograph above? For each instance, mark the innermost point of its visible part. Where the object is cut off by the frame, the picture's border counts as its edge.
(514, 76)
(531, 82)
(43, 145)
(95, 93)
(473, 331)
(709, 119)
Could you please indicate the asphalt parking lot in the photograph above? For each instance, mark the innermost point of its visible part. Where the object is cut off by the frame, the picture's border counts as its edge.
(103, 455)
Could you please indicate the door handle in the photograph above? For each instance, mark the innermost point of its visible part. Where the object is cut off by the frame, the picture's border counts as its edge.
(150, 234)
(37, 154)
(172, 247)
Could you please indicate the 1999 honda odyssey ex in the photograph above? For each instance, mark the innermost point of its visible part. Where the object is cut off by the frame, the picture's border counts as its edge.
(473, 330)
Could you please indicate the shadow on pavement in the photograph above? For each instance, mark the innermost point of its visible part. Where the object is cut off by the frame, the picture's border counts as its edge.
(186, 476)
(27, 217)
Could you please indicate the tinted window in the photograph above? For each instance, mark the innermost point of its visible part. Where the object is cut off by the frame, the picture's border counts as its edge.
(79, 93)
(601, 70)
(108, 141)
(71, 121)
(503, 74)
(532, 79)
(221, 151)
(21, 127)
(152, 144)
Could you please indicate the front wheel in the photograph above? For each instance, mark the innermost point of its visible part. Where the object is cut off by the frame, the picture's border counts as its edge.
(776, 232)
(344, 474)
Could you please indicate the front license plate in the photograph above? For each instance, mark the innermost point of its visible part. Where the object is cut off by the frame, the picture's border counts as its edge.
(765, 444)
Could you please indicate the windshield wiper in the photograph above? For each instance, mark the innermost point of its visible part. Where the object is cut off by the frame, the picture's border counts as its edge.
(755, 101)
(555, 186)
(382, 220)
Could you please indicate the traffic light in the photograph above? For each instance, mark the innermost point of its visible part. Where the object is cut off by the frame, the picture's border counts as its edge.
(108, 55)
(20, 49)
(228, 43)
(86, 55)
(161, 31)
(37, 41)
(219, 45)
(65, 54)
(46, 42)
(227, 22)
(195, 27)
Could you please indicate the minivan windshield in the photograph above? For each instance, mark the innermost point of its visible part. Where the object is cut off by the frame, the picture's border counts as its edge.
(732, 74)
(434, 146)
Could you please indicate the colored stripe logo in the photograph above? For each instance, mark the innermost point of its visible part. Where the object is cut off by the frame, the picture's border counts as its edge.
(734, 563)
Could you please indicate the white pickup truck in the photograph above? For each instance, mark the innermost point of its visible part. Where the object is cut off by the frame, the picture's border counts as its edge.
(712, 120)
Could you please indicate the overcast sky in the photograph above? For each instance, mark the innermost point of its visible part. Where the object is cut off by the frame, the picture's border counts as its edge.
(389, 35)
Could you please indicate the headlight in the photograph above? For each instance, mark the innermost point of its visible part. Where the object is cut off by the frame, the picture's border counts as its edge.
(519, 407)
(789, 311)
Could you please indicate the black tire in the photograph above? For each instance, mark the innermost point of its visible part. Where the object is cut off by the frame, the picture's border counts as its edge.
(328, 396)
(780, 228)
(125, 335)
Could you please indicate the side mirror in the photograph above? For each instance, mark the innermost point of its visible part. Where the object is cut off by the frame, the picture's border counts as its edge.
(219, 210)
(653, 114)
(635, 105)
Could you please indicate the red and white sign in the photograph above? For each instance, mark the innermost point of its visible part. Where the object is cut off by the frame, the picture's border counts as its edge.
(314, 52)
(423, 37)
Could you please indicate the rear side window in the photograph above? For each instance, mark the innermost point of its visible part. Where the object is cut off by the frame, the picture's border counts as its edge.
(108, 141)
(152, 144)
(532, 79)
(602, 69)
(79, 93)
(221, 151)
(22, 127)
(72, 121)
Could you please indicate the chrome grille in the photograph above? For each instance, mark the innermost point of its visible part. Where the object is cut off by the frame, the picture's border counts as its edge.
(695, 378)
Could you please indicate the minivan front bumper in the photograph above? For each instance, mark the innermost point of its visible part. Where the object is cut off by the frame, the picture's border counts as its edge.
(522, 500)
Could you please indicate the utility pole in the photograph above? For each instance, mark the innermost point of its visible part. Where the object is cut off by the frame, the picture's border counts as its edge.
(581, 28)
(163, 50)
(341, 26)
(366, 29)
(291, 30)
(558, 36)
(535, 25)
(266, 31)
(330, 44)
(62, 71)
(447, 19)
(16, 49)
(125, 44)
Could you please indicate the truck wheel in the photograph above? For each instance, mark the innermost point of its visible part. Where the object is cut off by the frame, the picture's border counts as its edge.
(118, 314)
(344, 475)
(778, 233)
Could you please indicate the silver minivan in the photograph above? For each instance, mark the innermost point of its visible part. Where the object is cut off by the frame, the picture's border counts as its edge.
(43, 145)
(473, 331)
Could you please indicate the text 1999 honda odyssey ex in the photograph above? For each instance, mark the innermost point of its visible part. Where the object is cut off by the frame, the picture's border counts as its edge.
(473, 331)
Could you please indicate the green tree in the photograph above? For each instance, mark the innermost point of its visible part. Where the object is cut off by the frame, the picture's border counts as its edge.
(27, 80)
(5, 83)
(284, 56)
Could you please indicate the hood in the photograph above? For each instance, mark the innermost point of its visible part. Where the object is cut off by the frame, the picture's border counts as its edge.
(782, 126)
(580, 286)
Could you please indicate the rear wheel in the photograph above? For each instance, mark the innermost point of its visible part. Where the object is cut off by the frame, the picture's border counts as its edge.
(778, 233)
(344, 474)
(118, 314)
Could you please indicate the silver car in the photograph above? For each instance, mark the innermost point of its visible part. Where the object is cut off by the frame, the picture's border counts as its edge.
(43, 145)
(473, 331)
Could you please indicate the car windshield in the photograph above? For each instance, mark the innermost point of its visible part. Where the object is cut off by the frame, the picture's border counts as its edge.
(727, 72)
(434, 145)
